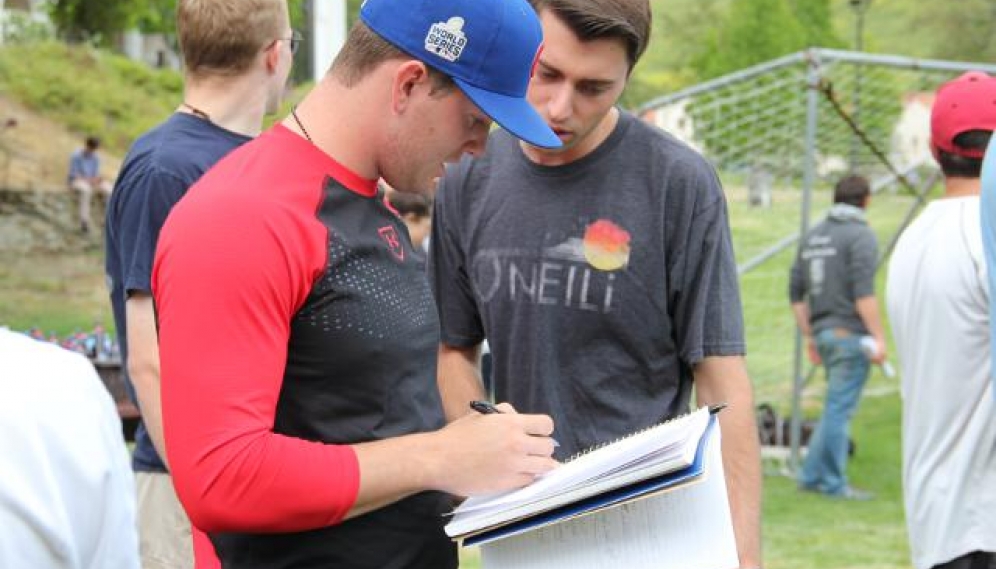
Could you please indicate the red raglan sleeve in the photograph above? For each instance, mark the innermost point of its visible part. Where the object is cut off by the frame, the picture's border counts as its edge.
(227, 280)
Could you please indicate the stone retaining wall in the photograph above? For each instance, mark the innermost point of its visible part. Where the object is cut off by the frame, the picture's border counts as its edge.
(32, 220)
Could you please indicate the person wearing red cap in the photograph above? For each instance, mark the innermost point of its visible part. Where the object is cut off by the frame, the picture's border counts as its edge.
(938, 301)
(297, 331)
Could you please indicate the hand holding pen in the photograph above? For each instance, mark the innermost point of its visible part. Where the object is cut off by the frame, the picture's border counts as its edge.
(494, 450)
(488, 408)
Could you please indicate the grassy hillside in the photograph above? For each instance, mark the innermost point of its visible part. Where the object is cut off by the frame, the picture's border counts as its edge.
(89, 91)
(59, 94)
(93, 91)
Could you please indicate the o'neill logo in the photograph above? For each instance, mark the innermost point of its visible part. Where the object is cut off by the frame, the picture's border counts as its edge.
(446, 39)
(390, 236)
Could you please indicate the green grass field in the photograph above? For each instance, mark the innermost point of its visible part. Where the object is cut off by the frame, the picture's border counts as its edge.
(61, 292)
(805, 530)
(58, 292)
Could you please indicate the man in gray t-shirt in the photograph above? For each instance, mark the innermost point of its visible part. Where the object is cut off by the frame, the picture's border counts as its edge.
(832, 290)
(601, 274)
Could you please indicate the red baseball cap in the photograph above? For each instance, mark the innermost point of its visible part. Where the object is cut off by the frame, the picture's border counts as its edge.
(963, 104)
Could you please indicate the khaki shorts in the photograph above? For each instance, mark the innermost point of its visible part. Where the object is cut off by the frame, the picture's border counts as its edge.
(163, 528)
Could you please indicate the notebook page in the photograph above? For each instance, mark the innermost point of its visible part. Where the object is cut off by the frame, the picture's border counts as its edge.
(663, 443)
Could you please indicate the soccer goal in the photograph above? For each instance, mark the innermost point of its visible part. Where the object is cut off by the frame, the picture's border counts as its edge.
(781, 134)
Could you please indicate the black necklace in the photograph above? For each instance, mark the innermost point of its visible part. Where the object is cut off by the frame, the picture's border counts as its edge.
(299, 125)
(196, 112)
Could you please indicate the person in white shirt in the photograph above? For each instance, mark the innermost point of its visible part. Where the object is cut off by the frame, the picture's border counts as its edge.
(67, 494)
(938, 302)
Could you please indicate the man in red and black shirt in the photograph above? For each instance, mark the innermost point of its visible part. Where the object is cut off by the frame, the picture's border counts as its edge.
(298, 336)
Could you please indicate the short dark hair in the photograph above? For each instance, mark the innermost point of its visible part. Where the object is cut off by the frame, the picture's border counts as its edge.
(627, 20)
(410, 203)
(958, 166)
(92, 142)
(852, 190)
(364, 50)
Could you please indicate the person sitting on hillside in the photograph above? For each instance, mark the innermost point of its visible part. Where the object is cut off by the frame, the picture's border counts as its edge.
(85, 178)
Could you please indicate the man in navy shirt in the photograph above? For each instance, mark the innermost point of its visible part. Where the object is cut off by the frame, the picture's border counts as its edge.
(237, 56)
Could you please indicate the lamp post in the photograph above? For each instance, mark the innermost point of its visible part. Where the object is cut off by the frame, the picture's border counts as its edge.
(859, 7)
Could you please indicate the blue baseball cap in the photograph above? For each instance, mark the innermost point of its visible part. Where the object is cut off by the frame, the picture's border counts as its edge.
(488, 47)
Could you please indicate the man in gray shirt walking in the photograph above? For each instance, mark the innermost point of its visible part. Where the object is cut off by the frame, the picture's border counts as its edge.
(832, 290)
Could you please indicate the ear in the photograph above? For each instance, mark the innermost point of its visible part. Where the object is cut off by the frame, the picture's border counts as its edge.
(271, 57)
(408, 78)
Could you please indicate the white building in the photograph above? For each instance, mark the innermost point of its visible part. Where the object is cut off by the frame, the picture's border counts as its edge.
(19, 12)
(675, 120)
(910, 144)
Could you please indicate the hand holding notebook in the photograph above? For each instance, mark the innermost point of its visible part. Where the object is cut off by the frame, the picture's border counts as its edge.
(667, 448)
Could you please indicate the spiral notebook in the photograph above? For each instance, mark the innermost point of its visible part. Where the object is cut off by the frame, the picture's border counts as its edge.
(660, 457)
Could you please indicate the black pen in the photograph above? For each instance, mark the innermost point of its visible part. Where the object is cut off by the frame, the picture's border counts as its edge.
(487, 408)
(713, 409)
(484, 407)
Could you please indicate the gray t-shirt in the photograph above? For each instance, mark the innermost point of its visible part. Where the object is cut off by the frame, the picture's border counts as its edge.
(598, 284)
(834, 267)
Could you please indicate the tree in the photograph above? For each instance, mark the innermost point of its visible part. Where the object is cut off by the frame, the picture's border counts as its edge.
(93, 20)
(156, 17)
(964, 30)
(100, 20)
(352, 11)
(817, 27)
(752, 32)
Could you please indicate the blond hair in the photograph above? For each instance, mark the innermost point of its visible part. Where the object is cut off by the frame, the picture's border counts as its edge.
(223, 37)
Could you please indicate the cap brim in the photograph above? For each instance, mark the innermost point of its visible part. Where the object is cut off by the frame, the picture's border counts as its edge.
(514, 114)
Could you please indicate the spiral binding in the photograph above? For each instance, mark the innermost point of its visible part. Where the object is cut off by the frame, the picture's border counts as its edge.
(713, 409)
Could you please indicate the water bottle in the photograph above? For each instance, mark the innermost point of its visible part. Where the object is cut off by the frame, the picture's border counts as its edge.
(870, 347)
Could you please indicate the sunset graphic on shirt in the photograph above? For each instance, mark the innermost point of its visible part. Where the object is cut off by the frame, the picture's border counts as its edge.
(606, 245)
